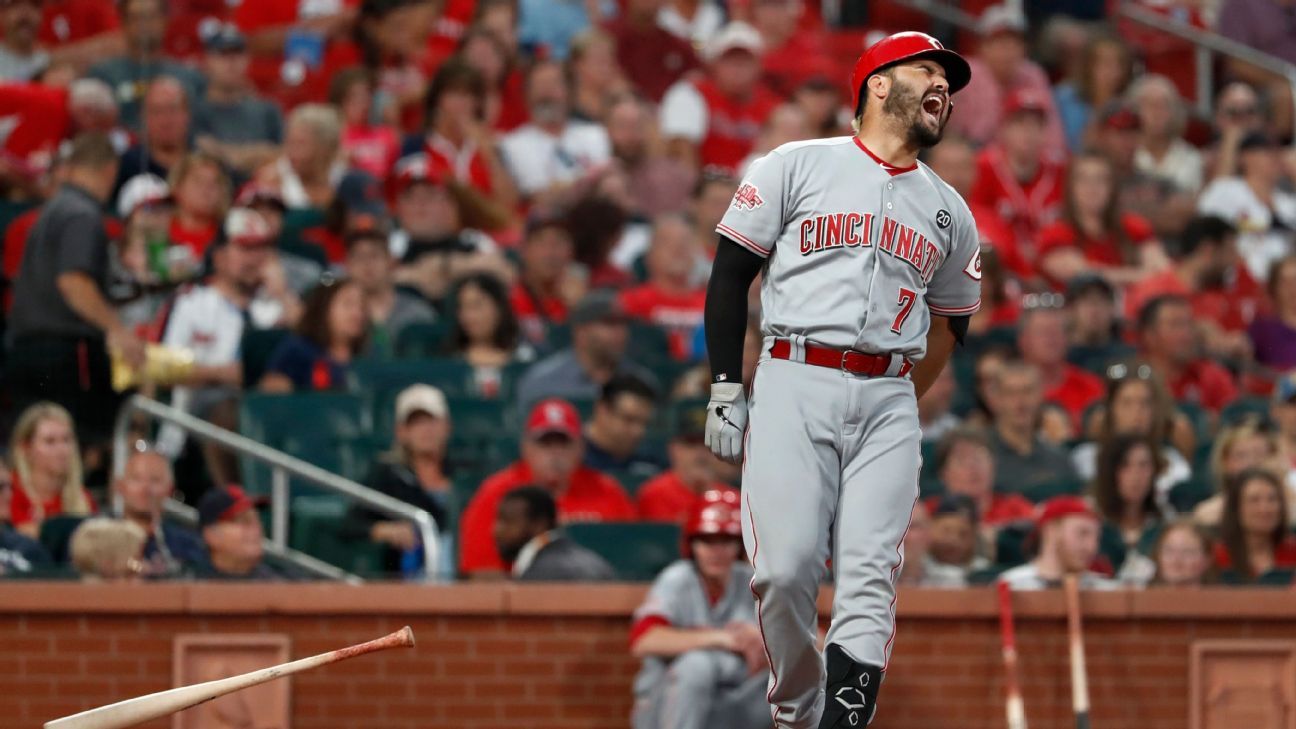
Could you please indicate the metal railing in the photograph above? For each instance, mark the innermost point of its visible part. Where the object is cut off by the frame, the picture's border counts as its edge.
(282, 467)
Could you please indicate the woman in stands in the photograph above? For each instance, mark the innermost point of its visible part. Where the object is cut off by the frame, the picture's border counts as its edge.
(1094, 235)
(1246, 445)
(47, 469)
(331, 334)
(1138, 404)
(1253, 533)
(485, 331)
(1101, 77)
(1125, 494)
(1183, 556)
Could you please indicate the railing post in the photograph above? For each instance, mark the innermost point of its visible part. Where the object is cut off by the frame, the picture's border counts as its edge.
(279, 507)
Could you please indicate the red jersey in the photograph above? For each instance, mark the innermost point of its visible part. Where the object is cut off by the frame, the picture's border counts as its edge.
(187, 21)
(678, 314)
(1232, 308)
(69, 21)
(1284, 554)
(1025, 207)
(22, 510)
(997, 235)
(1004, 508)
(536, 312)
(1104, 251)
(37, 121)
(653, 58)
(1076, 391)
(464, 164)
(268, 71)
(197, 239)
(1206, 384)
(371, 148)
(15, 241)
(667, 498)
(591, 496)
(732, 124)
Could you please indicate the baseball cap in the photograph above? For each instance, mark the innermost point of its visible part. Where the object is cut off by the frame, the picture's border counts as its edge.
(960, 504)
(1087, 283)
(1118, 116)
(225, 38)
(1001, 19)
(415, 170)
(221, 504)
(421, 399)
(736, 36)
(1025, 101)
(598, 305)
(362, 196)
(255, 193)
(690, 425)
(246, 227)
(554, 416)
(1285, 388)
(1060, 507)
(142, 190)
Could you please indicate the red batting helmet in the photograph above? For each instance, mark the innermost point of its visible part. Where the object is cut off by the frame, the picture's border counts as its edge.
(908, 46)
(716, 512)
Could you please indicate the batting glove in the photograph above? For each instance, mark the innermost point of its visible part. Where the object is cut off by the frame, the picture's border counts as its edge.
(726, 420)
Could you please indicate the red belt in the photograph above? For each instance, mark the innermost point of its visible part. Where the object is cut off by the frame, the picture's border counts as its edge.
(847, 360)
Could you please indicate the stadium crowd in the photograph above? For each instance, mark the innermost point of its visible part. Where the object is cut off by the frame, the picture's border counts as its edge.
(457, 251)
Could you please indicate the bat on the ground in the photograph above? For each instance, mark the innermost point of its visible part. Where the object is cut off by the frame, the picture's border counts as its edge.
(1075, 632)
(1013, 704)
(144, 708)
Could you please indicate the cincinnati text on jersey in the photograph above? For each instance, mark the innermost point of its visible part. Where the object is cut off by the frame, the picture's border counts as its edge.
(856, 230)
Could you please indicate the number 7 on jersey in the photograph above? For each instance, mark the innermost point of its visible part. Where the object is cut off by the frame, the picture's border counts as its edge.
(906, 302)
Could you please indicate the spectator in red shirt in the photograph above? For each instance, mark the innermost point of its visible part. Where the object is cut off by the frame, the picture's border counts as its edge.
(1015, 177)
(1001, 68)
(1042, 341)
(792, 52)
(202, 195)
(1209, 273)
(1253, 534)
(81, 31)
(1168, 342)
(310, 27)
(47, 469)
(551, 458)
(491, 46)
(1273, 335)
(368, 146)
(713, 121)
(545, 286)
(1093, 235)
(954, 160)
(965, 464)
(652, 56)
(670, 496)
(670, 299)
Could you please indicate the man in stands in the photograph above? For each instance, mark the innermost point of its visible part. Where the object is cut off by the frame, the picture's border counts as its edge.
(231, 528)
(661, 184)
(704, 662)
(20, 59)
(165, 140)
(614, 437)
(545, 285)
(551, 458)
(370, 264)
(670, 299)
(129, 76)
(1042, 341)
(1067, 531)
(19, 553)
(670, 496)
(1024, 460)
(1015, 176)
(965, 463)
(714, 121)
(600, 335)
(1168, 342)
(231, 122)
(954, 160)
(146, 483)
(528, 538)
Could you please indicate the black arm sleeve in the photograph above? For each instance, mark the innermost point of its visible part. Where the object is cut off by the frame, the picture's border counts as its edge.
(732, 274)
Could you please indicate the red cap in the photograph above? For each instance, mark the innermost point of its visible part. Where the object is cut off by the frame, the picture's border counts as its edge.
(413, 170)
(1025, 100)
(554, 415)
(1060, 507)
(908, 46)
(717, 511)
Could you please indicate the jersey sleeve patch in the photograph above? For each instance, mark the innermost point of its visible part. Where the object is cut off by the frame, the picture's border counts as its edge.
(747, 197)
(973, 268)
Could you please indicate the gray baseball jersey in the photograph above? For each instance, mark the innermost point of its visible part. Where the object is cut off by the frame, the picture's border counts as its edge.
(704, 688)
(859, 254)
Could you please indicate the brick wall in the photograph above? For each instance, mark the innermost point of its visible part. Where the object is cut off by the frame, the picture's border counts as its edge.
(501, 657)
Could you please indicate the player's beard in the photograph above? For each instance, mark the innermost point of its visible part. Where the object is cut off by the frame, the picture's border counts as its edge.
(904, 104)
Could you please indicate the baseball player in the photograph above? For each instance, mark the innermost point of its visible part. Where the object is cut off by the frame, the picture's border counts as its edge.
(703, 662)
(871, 270)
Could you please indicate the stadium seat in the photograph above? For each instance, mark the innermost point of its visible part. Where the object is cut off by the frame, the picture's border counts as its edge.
(56, 535)
(638, 551)
(986, 576)
(255, 350)
(314, 530)
(302, 421)
(1186, 495)
(928, 482)
(379, 382)
(424, 339)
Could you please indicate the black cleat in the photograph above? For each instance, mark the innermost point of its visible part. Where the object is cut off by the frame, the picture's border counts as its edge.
(850, 697)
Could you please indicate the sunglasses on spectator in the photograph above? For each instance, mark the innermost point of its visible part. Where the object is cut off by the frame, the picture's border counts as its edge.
(1047, 300)
(1124, 371)
(1238, 112)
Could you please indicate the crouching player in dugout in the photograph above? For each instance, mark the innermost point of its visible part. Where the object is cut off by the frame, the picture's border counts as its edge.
(704, 664)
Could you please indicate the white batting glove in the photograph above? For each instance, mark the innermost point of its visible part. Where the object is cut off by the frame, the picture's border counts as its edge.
(726, 420)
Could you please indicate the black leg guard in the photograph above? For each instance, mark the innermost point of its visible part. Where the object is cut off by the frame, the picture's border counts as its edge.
(850, 699)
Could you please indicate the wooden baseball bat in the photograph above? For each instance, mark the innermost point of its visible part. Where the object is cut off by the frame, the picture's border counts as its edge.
(1079, 678)
(144, 708)
(1013, 704)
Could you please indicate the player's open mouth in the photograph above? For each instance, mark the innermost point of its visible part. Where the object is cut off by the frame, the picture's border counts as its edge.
(934, 105)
